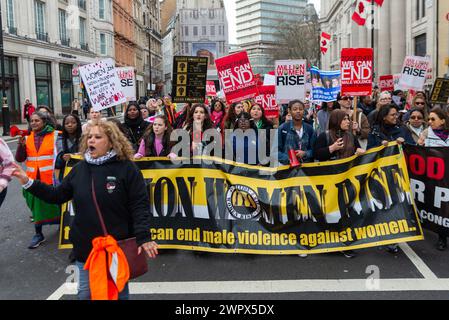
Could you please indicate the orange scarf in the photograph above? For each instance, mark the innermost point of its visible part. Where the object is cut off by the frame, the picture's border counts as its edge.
(106, 281)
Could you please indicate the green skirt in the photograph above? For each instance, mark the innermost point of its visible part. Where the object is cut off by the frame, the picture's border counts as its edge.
(43, 212)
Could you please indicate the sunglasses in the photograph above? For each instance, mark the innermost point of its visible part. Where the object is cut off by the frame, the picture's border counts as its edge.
(432, 119)
(416, 118)
(420, 103)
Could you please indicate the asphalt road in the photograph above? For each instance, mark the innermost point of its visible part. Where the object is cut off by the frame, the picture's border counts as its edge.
(417, 272)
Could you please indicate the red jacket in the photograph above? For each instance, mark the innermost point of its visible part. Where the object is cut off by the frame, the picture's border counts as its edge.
(28, 110)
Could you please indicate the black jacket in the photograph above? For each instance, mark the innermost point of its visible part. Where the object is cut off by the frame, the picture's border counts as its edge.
(122, 197)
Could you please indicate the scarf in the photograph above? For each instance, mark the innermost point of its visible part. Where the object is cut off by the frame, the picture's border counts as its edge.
(108, 269)
(47, 129)
(101, 160)
(442, 134)
(259, 124)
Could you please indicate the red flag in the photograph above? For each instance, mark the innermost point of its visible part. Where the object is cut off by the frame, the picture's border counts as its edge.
(361, 12)
(379, 2)
(325, 39)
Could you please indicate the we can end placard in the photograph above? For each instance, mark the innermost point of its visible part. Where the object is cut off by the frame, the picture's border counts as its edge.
(236, 77)
(356, 72)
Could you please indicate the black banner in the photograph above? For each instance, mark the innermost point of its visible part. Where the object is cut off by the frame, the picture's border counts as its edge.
(429, 182)
(189, 79)
(440, 91)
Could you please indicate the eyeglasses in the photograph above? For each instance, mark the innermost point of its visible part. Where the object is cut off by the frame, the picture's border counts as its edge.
(432, 119)
(420, 103)
(394, 115)
(385, 99)
(416, 118)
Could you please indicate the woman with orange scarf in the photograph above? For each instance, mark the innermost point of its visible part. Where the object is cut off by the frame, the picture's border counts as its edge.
(120, 189)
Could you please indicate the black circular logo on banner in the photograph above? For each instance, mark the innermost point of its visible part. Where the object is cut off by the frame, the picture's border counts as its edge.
(242, 202)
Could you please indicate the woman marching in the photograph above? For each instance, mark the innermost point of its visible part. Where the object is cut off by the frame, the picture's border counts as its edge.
(156, 140)
(134, 125)
(39, 151)
(437, 135)
(71, 136)
(108, 172)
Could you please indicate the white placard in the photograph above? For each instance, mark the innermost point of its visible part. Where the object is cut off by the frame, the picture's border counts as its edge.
(414, 72)
(290, 80)
(102, 84)
(127, 79)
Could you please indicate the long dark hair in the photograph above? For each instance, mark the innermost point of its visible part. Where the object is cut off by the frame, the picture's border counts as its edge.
(335, 119)
(265, 121)
(380, 122)
(230, 116)
(207, 124)
(149, 136)
(65, 134)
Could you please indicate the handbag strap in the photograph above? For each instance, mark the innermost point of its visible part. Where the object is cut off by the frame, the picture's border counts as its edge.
(100, 215)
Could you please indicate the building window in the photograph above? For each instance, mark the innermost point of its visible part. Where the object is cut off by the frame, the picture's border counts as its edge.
(63, 28)
(44, 90)
(212, 30)
(195, 31)
(10, 16)
(82, 4)
(103, 50)
(421, 45)
(204, 30)
(83, 33)
(101, 9)
(39, 9)
(12, 88)
(65, 74)
(186, 31)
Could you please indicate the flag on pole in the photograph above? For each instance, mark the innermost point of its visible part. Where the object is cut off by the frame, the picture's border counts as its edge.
(361, 12)
(325, 40)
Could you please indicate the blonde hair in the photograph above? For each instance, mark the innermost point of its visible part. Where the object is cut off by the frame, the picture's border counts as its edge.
(119, 142)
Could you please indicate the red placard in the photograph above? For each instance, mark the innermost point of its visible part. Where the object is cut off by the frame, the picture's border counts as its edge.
(267, 100)
(211, 91)
(236, 77)
(356, 72)
(386, 83)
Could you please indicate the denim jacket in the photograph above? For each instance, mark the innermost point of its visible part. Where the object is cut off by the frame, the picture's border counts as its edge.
(289, 139)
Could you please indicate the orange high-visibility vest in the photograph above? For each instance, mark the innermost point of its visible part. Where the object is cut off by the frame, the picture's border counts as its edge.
(41, 161)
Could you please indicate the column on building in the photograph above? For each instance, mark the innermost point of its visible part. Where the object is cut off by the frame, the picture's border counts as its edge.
(384, 41)
(398, 28)
(56, 86)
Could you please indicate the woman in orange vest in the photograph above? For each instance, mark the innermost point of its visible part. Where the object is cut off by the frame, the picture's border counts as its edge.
(39, 151)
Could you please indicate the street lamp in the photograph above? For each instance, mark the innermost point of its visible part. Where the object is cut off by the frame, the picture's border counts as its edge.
(5, 108)
(150, 32)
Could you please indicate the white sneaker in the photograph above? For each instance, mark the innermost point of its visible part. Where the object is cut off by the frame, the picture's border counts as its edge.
(303, 255)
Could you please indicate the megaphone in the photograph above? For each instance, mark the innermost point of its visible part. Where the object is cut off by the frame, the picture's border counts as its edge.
(14, 131)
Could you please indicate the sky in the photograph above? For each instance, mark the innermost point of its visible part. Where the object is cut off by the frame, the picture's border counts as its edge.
(230, 11)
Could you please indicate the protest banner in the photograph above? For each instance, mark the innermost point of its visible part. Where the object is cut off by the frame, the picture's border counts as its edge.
(429, 182)
(414, 72)
(102, 84)
(189, 79)
(267, 100)
(325, 85)
(396, 78)
(236, 77)
(356, 72)
(440, 91)
(290, 80)
(227, 207)
(211, 91)
(128, 82)
(386, 83)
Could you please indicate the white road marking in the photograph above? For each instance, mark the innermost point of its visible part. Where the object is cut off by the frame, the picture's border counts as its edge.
(418, 262)
(270, 287)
